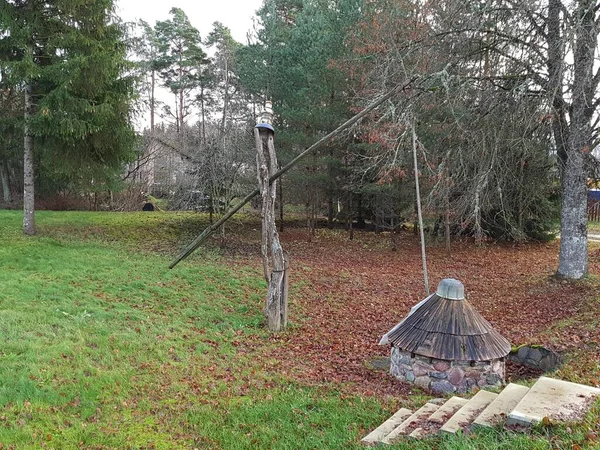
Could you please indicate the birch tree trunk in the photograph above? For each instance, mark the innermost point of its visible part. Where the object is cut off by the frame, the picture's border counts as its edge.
(28, 174)
(5, 183)
(274, 260)
(419, 211)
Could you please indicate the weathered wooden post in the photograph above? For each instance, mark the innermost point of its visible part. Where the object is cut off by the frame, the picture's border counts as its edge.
(275, 264)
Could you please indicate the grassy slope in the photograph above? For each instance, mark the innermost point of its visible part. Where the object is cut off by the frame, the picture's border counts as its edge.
(104, 347)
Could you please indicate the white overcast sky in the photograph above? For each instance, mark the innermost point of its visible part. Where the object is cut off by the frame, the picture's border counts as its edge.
(235, 14)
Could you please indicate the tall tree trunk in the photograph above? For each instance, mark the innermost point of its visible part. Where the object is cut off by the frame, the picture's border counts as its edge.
(556, 70)
(272, 252)
(5, 183)
(180, 112)
(350, 217)
(225, 99)
(180, 109)
(419, 211)
(203, 116)
(573, 257)
(152, 99)
(330, 212)
(28, 174)
(281, 226)
(447, 217)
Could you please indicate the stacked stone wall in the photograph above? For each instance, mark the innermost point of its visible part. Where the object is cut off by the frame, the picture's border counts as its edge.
(535, 356)
(443, 377)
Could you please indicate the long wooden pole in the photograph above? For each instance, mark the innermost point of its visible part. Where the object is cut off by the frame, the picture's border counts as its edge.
(419, 211)
(187, 251)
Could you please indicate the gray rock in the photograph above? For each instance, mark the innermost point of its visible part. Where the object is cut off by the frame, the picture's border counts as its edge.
(442, 387)
(410, 377)
(535, 354)
(522, 353)
(482, 383)
(422, 382)
(493, 379)
(470, 383)
(438, 375)
(550, 362)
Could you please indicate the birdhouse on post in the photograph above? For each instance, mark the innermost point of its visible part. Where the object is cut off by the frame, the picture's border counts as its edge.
(274, 261)
(265, 120)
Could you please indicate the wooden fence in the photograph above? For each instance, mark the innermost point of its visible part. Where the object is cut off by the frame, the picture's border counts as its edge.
(593, 212)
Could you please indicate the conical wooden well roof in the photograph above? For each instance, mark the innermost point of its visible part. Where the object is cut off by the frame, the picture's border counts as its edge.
(446, 326)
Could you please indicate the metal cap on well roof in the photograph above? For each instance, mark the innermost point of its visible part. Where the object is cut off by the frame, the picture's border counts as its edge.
(451, 289)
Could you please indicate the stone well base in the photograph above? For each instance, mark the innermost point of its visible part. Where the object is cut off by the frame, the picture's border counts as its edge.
(442, 377)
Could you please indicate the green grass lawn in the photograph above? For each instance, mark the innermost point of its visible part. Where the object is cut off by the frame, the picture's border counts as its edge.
(104, 347)
(594, 227)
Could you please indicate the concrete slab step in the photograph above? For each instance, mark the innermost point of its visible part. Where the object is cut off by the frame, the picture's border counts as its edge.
(447, 410)
(559, 401)
(375, 436)
(411, 423)
(501, 406)
(421, 432)
(435, 421)
(466, 414)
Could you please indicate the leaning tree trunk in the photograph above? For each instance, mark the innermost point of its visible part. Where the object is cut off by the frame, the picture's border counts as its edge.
(272, 252)
(28, 174)
(573, 257)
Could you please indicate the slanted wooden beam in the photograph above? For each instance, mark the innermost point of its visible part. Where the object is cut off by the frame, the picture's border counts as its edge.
(187, 251)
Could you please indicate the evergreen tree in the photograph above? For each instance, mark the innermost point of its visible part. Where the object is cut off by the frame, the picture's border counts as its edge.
(293, 63)
(180, 60)
(68, 57)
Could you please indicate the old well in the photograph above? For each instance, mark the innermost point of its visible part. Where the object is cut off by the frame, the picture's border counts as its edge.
(444, 345)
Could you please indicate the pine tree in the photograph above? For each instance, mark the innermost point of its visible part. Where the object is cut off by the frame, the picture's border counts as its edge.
(180, 60)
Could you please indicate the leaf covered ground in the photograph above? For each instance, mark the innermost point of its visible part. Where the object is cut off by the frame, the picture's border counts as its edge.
(352, 292)
(105, 348)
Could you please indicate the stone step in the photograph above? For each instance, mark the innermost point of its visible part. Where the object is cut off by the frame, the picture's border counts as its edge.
(501, 406)
(375, 436)
(421, 432)
(439, 417)
(465, 415)
(447, 410)
(411, 423)
(559, 401)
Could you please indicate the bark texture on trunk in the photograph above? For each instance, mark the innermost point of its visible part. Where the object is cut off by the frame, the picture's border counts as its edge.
(28, 174)
(281, 226)
(275, 264)
(5, 183)
(573, 257)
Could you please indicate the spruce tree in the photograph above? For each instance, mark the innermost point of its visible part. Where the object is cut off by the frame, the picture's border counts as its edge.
(69, 59)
